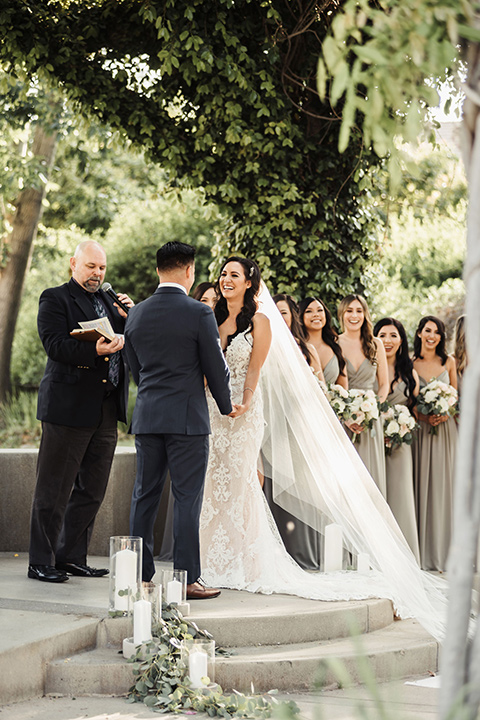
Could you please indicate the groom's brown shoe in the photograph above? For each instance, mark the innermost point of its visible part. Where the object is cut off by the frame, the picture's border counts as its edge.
(196, 591)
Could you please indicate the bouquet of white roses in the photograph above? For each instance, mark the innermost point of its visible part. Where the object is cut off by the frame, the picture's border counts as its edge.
(437, 398)
(362, 409)
(398, 426)
(339, 400)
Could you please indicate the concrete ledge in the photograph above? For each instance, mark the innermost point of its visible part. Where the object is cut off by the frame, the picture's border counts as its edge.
(17, 485)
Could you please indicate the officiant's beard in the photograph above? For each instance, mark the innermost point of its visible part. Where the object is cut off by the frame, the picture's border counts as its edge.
(92, 284)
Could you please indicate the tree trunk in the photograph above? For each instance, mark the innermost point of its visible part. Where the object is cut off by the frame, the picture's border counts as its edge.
(19, 247)
(460, 664)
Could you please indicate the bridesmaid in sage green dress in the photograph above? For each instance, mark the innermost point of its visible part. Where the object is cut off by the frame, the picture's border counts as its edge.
(404, 386)
(317, 325)
(434, 455)
(366, 370)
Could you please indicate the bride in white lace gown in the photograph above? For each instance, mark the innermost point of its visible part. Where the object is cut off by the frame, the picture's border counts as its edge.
(315, 470)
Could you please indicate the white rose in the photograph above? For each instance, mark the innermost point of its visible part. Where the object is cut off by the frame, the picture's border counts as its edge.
(430, 396)
(443, 405)
(366, 406)
(403, 418)
(392, 428)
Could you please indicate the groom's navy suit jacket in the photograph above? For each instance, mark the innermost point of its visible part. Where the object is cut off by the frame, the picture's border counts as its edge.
(172, 343)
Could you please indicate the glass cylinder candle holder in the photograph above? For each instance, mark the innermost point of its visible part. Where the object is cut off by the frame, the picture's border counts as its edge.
(175, 586)
(125, 574)
(198, 658)
(152, 592)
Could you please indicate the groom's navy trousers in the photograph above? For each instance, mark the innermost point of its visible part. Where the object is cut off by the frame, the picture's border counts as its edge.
(172, 344)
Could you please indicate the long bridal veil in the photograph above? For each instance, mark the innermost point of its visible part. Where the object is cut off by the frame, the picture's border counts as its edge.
(318, 476)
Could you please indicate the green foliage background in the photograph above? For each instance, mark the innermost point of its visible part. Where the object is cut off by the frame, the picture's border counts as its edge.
(223, 96)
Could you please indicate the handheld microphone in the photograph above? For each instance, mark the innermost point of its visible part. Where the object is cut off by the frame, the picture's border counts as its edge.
(107, 288)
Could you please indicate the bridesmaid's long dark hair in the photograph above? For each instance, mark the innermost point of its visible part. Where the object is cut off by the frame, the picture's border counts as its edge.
(250, 305)
(329, 334)
(296, 326)
(403, 361)
(417, 343)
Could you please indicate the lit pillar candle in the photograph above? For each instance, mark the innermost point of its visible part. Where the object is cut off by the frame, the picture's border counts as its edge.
(125, 576)
(174, 592)
(333, 548)
(363, 562)
(142, 622)
(197, 667)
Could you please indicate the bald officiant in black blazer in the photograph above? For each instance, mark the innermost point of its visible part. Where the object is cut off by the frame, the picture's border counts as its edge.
(172, 344)
(81, 396)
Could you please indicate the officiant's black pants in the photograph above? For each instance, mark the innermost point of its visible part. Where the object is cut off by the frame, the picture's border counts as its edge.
(73, 468)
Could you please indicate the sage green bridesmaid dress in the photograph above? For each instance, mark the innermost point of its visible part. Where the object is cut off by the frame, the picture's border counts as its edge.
(331, 370)
(433, 471)
(369, 443)
(399, 469)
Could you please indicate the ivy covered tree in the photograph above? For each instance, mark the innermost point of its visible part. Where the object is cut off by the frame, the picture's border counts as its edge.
(223, 96)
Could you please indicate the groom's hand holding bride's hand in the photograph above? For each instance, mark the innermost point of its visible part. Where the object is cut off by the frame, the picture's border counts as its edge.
(238, 410)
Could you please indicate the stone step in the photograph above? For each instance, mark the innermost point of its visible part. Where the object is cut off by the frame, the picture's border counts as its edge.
(399, 650)
(262, 620)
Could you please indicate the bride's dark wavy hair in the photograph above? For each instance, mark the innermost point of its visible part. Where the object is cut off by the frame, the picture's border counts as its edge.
(403, 361)
(250, 304)
(417, 343)
(329, 334)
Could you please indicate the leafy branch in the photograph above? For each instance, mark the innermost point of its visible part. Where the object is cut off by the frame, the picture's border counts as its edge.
(162, 684)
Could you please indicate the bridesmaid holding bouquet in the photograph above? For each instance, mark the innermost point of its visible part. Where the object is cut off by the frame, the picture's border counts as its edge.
(403, 389)
(317, 326)
(434, 448)
(366, 369)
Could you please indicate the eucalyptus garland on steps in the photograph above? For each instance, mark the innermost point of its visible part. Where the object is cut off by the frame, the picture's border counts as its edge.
(161, 681)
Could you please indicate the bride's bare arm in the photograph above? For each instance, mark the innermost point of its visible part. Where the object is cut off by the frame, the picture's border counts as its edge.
(262, 337)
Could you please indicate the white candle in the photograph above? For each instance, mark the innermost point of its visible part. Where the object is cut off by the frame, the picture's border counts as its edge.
(142, 622)
(333, 548)
(363, 562)
(125, 576)
(197, 667)
(174, 592)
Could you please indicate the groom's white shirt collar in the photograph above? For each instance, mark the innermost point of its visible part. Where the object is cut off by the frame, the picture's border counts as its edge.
(175, 285)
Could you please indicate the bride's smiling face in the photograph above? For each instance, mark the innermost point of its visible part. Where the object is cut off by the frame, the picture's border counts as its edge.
(233, 282)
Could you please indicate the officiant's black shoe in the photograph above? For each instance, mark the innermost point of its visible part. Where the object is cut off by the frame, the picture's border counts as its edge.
(46, 573)
(196, 591)
(81, 570)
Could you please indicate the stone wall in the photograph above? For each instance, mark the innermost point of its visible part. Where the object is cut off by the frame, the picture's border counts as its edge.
(17, 484)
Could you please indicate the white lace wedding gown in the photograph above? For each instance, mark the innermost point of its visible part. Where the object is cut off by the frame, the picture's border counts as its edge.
(320, 479)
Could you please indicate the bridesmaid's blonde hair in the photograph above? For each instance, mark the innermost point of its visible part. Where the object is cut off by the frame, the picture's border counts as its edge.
(366, 332)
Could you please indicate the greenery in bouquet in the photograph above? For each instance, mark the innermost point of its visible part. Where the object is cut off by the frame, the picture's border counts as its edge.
(363, 409)
(358, 406)
(398, 426)
(437, 398)
(339, 400)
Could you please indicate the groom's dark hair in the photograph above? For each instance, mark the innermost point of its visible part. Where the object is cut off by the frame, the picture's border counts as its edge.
(174, 255)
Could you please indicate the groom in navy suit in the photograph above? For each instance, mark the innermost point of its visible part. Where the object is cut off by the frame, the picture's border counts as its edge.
(172, 344)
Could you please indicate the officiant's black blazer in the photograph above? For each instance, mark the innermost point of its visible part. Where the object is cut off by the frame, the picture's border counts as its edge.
(73, 387)
(171, 343)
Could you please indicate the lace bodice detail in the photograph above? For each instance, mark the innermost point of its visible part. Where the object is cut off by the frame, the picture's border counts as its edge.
(237, 356)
